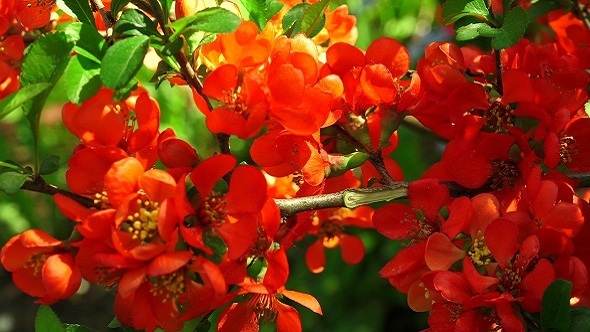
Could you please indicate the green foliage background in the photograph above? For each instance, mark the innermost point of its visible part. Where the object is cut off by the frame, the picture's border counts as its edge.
(353, 298)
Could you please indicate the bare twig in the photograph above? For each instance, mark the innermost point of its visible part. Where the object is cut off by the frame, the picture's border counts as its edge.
(39, 185)
(107, 18)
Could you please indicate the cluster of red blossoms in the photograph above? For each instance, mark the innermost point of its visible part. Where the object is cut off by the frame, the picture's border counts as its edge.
(488, 228)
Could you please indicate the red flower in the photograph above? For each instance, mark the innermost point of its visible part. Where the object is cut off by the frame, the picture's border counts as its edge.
(34, 14)
(41, 266)
(100, 121)
(164, 293)
(329, 226)
(262, 304)
(242, 102)
(146, 219)
(231, 216)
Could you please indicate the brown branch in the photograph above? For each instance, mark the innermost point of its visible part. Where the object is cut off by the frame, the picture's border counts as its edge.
(349, 198)
(499, 71)
(39, 185)
(582, 13)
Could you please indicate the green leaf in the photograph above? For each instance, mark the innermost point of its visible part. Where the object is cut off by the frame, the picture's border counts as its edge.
(122, 61)
(82, 10)
(514, 26)
(18, 98)
(261, 11)
(214, 19)
(456, 9)
(204, 326)
(134, 22)
(314, 18)
(124, 92)
(555, 310)
(541, 8)
(166, 5)
(580, 318)
(89, 43)
(49, 165)
(47, 321)
(216, 244)
(587, 108)
(10, 182)
(506, 5)
(292, 19)
(77, 328)
(117, 5)
(83, 79)
(469, 28)
(44, 62)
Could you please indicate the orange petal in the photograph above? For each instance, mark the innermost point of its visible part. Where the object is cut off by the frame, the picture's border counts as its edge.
(304, 299)
(391, 53)
(61, 277)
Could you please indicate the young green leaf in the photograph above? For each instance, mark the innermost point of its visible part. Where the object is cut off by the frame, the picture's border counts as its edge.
(341, 164)
(555, 311)
(18, 98)
(83, 79)
(456, 9)
(49, 165)
(314, 18)
(47, 321)
(10, 182)
(166, 6)
(77, 328)
(469, 28)
(541, 8)
(292, 19)
(122, 61)
(82, 10)
(215, 19)
(89, 43)
(261, 11)
(44, 62)
(134, 22)
(514, 26)
(117, 5)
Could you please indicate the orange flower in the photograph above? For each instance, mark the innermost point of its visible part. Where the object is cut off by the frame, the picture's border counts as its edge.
(145, 219)
(100, 121)
(41, 266)
(242, 104)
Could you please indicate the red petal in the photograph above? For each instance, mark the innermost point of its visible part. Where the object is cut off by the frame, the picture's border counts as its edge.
(396, 221)
(61, 277)
(237, 317)
(247, 191)
(460, 214)
(441, 253)
(122, 179)
(211, 170)
(378, 84)
(480, 284)
(429, 196)
(352, 248)
(168, 262)
(315, 257)
(517, 86)
(500, 237)
(342, 57)
(305, 300)
(277, 271)
(391, 53)
(220, 83)
(452, 286)
(287, 319)
(286, 85)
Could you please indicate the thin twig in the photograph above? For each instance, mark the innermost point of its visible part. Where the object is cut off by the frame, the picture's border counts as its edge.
(107, 18)
(39, 185)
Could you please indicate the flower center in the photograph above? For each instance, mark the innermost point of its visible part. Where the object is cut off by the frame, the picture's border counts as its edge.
(511, 277)
(503, 172)
(480, 253)
(107, 276)
(263, 306)
(40, 3)
(212, 211)
(36, 262)
(568, 149)
(101, 200)
(143, 224)
(168, 286)
(232, 100)
(420, 229)
(330, 230)
(500, 117)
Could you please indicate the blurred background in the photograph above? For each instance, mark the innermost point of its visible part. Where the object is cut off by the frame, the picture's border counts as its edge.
(353, 298)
